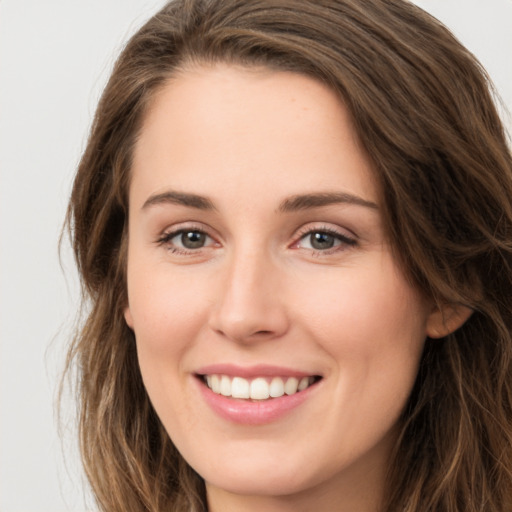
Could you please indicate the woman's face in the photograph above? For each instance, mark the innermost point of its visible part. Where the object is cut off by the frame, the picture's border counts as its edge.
(258, 265)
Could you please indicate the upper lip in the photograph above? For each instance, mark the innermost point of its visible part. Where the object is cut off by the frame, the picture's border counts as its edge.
(253, 371)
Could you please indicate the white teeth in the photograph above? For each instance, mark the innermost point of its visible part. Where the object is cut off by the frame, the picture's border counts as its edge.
(257, 389)
(303, 384)
(225, 385)
(276, 387)
(240, 388)
(215, 383)
(291, 385)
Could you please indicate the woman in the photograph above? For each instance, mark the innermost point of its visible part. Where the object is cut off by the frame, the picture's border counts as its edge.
(293, 223)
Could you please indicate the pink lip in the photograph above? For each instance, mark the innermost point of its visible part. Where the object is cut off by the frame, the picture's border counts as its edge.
(250, 372)
(250, 412)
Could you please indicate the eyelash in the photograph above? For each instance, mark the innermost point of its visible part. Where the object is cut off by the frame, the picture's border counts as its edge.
(345, 241)
(165, 240)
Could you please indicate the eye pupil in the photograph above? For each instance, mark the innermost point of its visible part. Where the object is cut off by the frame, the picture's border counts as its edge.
(321, 240)
(193, 239)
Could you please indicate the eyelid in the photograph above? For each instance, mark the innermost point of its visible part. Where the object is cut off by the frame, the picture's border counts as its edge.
(183, 226)
(345, 236)
(165, 236)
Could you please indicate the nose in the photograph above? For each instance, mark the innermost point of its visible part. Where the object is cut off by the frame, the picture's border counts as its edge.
(250, 304)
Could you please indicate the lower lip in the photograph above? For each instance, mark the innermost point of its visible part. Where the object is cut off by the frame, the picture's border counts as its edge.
(258, 412)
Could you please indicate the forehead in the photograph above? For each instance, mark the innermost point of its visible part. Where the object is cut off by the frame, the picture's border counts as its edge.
(243, 127)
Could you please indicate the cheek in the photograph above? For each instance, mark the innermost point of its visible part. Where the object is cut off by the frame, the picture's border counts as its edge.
(167, 318)
(372, 323)
(167, 309)
(367, 307)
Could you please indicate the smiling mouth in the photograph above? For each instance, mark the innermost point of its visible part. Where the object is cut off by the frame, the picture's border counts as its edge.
(259, 388)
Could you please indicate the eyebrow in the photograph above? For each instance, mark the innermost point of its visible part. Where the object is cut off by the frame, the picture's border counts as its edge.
(290, 204)
(180, 198)
(317, 200)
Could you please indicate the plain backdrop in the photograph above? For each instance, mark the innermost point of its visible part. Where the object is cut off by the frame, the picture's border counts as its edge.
(55, 56)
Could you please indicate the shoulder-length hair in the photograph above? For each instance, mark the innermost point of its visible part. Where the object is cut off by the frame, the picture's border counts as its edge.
(421, 107)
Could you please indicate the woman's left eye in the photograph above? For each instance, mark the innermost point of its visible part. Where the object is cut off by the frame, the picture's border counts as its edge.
(324, 241)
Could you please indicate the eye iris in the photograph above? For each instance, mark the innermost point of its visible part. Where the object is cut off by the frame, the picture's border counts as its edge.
(193, 239)
(321, 240)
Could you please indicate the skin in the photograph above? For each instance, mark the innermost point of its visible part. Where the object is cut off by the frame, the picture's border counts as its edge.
(258, 292)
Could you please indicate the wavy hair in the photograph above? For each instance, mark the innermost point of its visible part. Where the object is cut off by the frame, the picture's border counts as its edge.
(423, 109)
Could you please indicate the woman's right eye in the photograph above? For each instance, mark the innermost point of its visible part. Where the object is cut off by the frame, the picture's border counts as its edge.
(186, 240)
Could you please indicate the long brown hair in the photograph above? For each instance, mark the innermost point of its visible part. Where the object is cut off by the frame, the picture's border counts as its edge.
(421, 106)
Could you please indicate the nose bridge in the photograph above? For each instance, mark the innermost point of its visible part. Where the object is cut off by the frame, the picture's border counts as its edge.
(249, 305)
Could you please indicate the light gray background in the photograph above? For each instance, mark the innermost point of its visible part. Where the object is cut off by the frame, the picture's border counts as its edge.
(55, 56)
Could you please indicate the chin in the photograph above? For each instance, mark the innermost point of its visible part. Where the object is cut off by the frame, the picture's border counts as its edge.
(275, 475)
(264, 483)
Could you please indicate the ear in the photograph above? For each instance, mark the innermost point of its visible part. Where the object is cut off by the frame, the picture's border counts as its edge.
(447, 318)
(128, 317)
